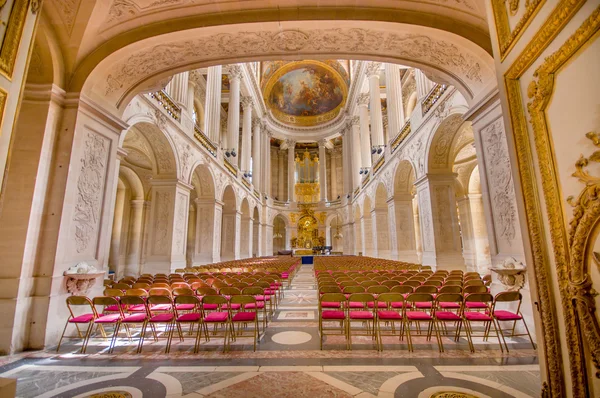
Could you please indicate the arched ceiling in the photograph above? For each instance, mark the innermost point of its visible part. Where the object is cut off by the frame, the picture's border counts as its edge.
(118, 48)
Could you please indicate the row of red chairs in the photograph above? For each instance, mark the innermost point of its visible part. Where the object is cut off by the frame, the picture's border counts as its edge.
(137, 312)
(416, 308)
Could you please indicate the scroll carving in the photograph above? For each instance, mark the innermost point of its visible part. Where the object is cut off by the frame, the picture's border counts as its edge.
(90, 187)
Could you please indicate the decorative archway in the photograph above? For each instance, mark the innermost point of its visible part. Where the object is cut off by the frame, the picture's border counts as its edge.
(202, 207)
(367, 228)
(230, 226)
(407, 224)
(246, 230)
(280, 236)
(381, 227)
(358, 231)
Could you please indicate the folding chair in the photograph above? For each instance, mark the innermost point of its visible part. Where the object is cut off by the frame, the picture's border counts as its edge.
(243, 318)
(485, 317)
(389, 315)
(161, 312)
(444, 314)
(417, 316)
(77, 320)
(332, 308)
(364, 315)
(138, 318)
(216, 317)
(188, 314)
(508, 316)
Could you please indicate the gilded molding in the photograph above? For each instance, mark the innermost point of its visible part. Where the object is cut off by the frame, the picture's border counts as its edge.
(12, 37)
(507, 38)
(3, 97)
(554, 386)
(560, 16)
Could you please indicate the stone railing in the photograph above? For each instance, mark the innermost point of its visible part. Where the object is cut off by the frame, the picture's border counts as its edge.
(434, 95)
(167, 103)
(230, 167)
(379, 164)
(205, 141)
(401, 136)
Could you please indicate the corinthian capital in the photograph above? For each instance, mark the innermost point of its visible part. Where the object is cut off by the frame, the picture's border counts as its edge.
(246, 102)
(355, 121)
(372, 69)
(235, 71)
(256, 123)
(290, 143)
(363, 99)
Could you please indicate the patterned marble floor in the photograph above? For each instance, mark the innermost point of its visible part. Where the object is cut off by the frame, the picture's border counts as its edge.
(287, 363)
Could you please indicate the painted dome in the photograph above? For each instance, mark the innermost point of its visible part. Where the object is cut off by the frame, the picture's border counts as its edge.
(305, 93)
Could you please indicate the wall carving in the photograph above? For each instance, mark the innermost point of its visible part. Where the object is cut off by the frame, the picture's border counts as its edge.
(67, 9)
(501, 186)
(426, 222)
(125, 9)
(444, 226)
(163, 152)
(180, 224)
(163, 200)
(90, 189)
(418, 48)
(442, 142)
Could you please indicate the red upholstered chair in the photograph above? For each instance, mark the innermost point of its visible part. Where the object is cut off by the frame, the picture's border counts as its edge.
(376, 291)
(187, 311)
(445, 314)
(475, 305)
(255, 292)
(160, 312)
(106, 319)
(243, 319)
(485, 318)
(333, 312)
(389, 316)
(134, 319)
(218, 317)
(417, 317)
(503, 315)
(76, 318)
(363, 315)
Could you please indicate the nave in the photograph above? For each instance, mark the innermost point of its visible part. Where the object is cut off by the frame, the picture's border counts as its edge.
(287, 362)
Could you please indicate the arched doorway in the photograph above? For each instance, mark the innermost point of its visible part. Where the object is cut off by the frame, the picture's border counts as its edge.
(246, 230)
(202, 207)
(406, 224)
(279, 233)
(256, 231)
(367, 227)
(334, 233)
(358, 231)
(381, 224)
(230, 237)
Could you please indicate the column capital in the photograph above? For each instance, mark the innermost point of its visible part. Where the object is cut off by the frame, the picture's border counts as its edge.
(372, 69)
(385, 120)
(322, 143)
(256, 123)
(355, 120)
(290, 143)
(247, 102)
(235, 71)
(363, 99)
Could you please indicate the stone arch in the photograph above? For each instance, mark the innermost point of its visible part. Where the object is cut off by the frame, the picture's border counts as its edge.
(411, 103)
(440, 151)
(202, 207)
(46, 65)
(230, 237)
(381, 226)
(280, 232)
(256, 233)
(118, 72)
(358, 234)
(367, 227)
(333, 221)
(148, 147)
(407, 225)
(134, 181)
(247, 228)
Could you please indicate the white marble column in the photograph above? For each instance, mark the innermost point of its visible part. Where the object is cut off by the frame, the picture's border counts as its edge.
(212, 104)
(395, 110)
(134, 252)
(117, 235)
(233, 113)
(246, 134)
(466, 228)
(256, 155)
(355, 153)
(178, 89)
(322, 170)
(372, 72)
(392, 229)
(291, 144)
(365, 134)
(424, 85)
(347, 161)
(334, 182)
(217, 226)
(267, 186)
(205, 224)
(280, 174)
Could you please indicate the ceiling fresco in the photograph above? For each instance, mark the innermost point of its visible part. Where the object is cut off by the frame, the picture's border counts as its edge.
(304, 93)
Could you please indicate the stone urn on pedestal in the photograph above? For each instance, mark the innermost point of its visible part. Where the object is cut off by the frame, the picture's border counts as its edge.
(80, 278)
(510, 276)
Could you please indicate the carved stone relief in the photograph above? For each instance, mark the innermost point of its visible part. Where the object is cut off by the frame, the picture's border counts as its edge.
(163, 200)
(426, 221)
(180, 224)
(502, 191)
(419, 48)
(90, 188)
(443, 226)
(442, 144)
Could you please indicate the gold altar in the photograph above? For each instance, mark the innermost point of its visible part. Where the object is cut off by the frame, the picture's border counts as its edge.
(308, 230)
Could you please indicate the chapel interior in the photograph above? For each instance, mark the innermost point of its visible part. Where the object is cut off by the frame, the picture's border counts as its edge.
(299, 198)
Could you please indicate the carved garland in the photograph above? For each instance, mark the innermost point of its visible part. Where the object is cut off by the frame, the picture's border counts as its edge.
(540, 91)
(554, 384)
(583, 231)
(507, 38)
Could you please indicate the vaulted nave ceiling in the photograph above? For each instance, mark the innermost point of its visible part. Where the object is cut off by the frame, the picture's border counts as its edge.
(113, 50)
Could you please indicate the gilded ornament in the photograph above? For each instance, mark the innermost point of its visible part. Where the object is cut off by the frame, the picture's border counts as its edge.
(12, 37)
(560, 16)
(507, 38)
